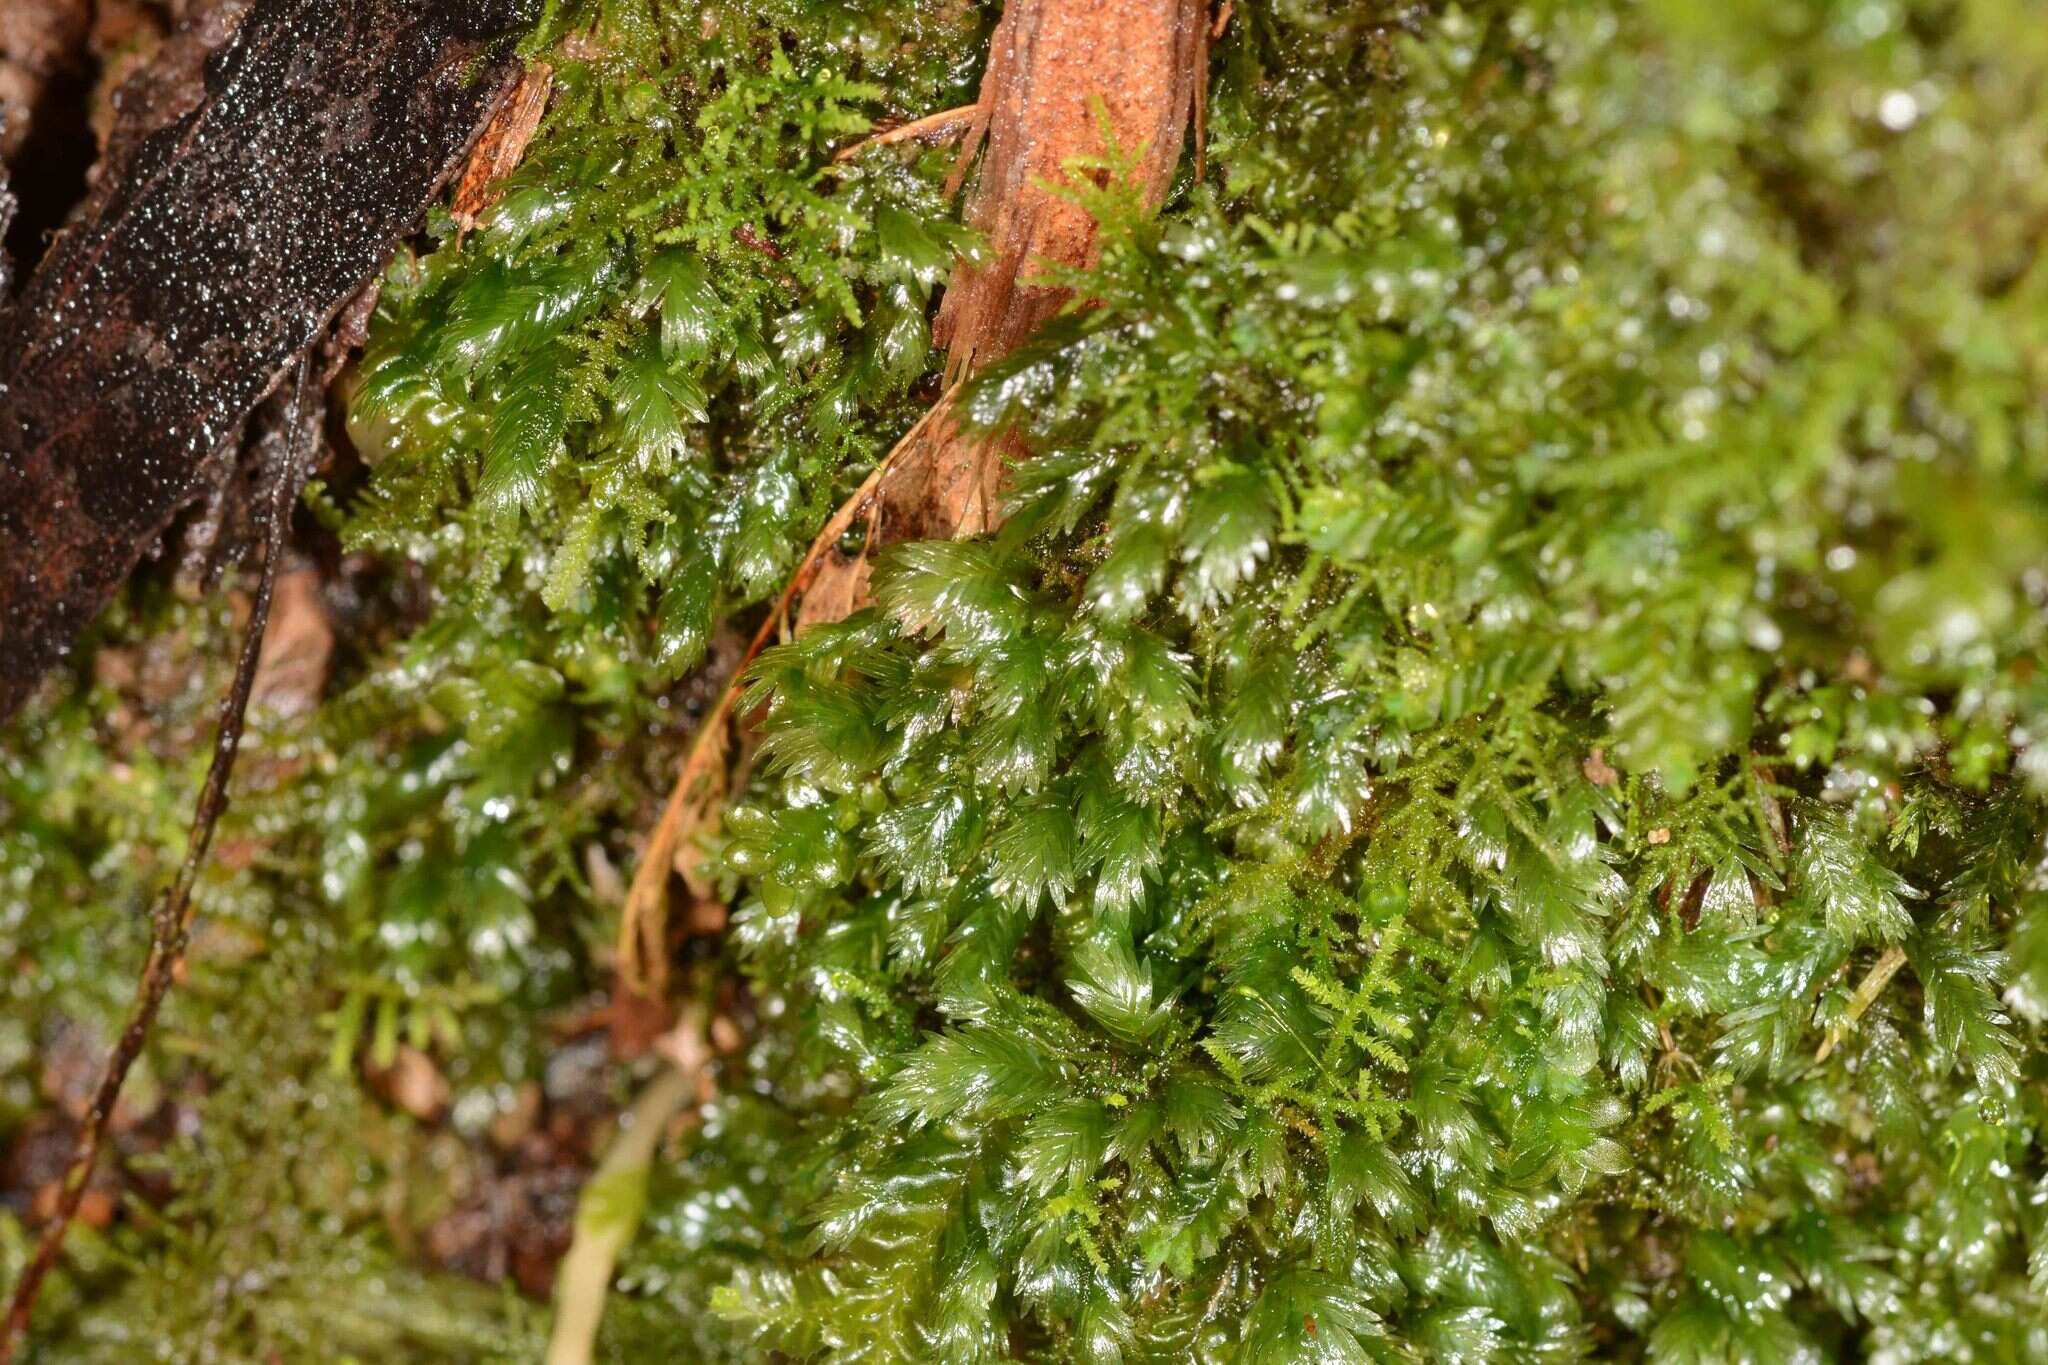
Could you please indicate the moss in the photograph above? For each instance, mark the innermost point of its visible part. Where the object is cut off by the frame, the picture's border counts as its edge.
(1365, 863)
(1485, 804)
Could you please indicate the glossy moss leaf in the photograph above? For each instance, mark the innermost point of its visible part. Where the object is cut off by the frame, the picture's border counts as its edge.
(683, 619)
(675, 283)
(526, 436)
(976, 1074)
(1231, 524)
(1859, 896)
(1034, 855)
(1305, 1316)
(959, 589)
(1118, 990)
(1964, 1021)
(908, 249)
(656, 405)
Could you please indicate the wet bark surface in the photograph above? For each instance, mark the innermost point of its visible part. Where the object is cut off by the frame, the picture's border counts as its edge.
(221, 245)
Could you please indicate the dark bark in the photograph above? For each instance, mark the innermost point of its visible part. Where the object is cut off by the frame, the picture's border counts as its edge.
(210, 258)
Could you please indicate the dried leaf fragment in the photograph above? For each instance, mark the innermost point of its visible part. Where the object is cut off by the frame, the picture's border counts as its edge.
(412, 1082)
(291, 672)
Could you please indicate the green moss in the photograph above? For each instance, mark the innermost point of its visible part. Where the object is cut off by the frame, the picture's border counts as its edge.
(639, 385)
(1527, 599)
(1210, 890)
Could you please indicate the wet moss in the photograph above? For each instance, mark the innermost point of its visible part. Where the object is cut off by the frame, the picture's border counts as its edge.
(1487, 802)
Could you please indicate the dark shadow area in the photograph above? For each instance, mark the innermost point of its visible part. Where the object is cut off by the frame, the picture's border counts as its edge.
(49, 176)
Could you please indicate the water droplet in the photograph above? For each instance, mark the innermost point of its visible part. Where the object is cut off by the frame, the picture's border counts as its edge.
(1898, 110)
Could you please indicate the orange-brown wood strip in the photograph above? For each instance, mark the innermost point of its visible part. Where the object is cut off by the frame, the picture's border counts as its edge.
(502, 145)
(1059, 73)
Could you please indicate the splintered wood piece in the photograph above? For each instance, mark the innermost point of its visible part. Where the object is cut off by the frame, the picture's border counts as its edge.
(220, 249)
(949, 487)
(1060, 74)
(501, 146)
(1058, 71)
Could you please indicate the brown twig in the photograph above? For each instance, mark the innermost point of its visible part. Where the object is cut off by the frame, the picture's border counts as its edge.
(1211, 34)
(641, 946)
(746, 235)
(932, 130)
(171, 921)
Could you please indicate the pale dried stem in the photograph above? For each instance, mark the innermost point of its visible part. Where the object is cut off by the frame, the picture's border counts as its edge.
(603, 1227)
(1874, 981)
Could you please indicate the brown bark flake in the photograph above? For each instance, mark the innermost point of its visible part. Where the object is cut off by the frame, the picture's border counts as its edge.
(502, 144)
(1061, 73)
(1058, 71)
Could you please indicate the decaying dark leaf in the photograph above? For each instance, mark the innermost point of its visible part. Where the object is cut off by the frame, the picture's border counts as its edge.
(227, 243)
